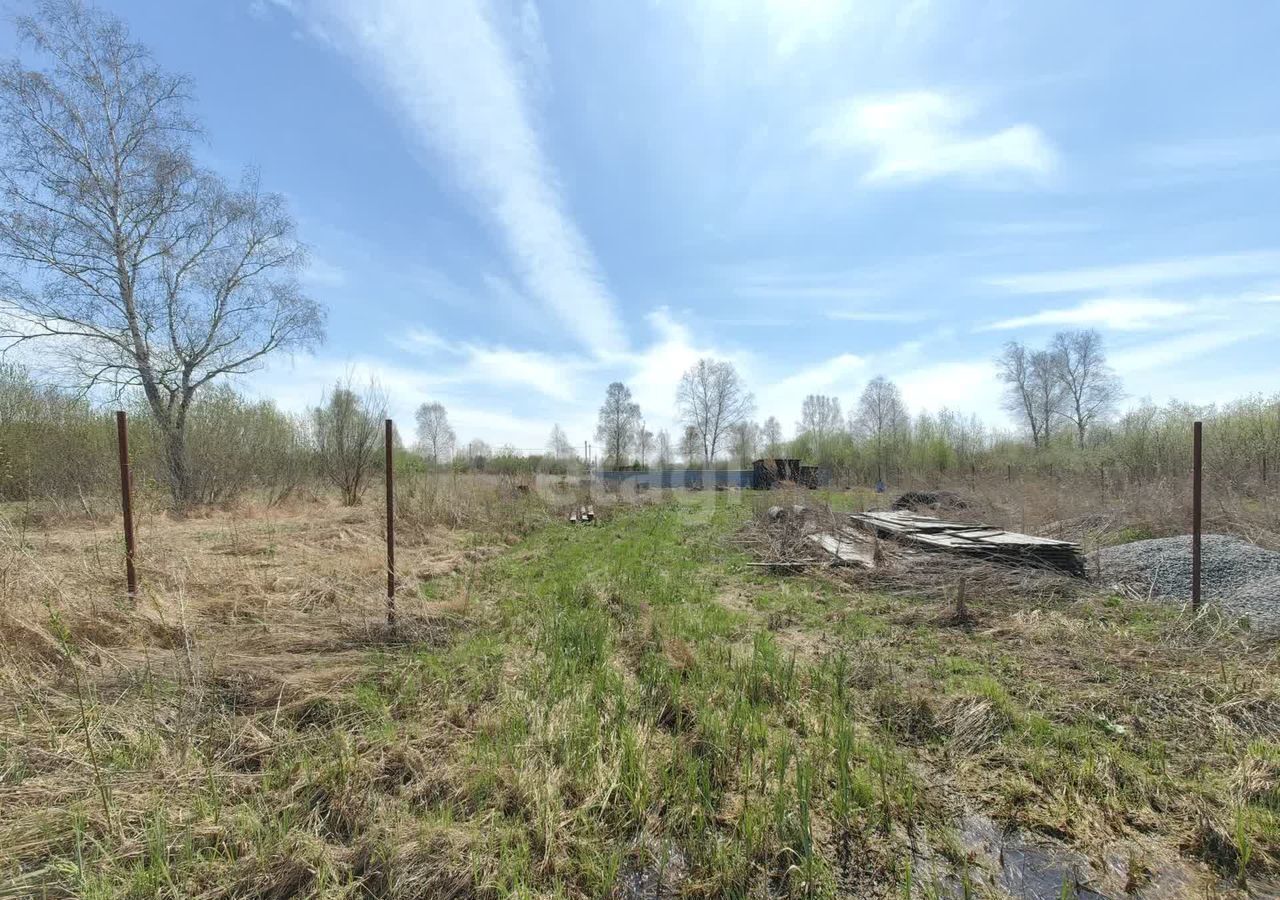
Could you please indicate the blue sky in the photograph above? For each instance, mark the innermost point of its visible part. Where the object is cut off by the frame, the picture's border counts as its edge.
(510, 204)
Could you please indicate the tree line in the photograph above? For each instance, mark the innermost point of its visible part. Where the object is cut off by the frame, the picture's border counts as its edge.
(147, 278)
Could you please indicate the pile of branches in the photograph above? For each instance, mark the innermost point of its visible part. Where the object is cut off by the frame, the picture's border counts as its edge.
(778, 537)
(936, 576)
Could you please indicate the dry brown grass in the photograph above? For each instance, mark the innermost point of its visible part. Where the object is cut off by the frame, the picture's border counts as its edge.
(1103, 510)
(250, 624)
(1105, 721)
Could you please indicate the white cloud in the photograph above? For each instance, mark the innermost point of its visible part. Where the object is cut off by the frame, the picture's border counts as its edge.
(920, 135)
(840, 376)
(448, 69)
(319, 272)
(793, 24)
(1174, 351)
(1143, 274)
(968, 387)
(494, 365)
(299, 383)
(654, 374)
(1118, 313)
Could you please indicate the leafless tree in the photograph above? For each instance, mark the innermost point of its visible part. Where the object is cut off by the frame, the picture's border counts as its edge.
(745, 438)
(558, 444)
(436, 437)
(619, 419)
(478, 453)
(1047, 393)
(1090, 388)
(140, 268)
(820, 417)
(881, 418)
(664, 449)
(772, 436)
(691, 446)
(1034, 391)
(347, 431)
(712, 399)
(644, 441)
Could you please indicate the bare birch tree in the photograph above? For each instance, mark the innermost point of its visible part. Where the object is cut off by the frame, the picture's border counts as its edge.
(1033, 389)
(1090, 388)
(691, 446)
(772, 436)
(616, 426)
(142, 270)
(820, 417)
(881, 418)
(712, 399)
(558, 443)
(746, 442)
(1047, 393)
(664, 449)
(644, 442)
(436, 437)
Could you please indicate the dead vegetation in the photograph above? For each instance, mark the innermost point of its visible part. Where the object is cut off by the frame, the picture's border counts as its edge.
(253, 629)
(1084, 718)
(626, 709)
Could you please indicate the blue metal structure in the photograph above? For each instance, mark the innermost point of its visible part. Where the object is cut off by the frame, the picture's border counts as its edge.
(687, 479)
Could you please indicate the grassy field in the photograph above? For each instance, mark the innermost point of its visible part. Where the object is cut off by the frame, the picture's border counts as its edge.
(627, 710)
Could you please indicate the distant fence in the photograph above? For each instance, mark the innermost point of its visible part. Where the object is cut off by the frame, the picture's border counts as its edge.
(686, 479)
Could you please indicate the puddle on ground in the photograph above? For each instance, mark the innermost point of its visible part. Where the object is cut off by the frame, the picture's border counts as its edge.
(1012, 864)
(660, 876)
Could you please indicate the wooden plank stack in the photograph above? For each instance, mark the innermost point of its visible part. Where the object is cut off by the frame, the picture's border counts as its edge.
(968, 539)
(583, 515)
(846, 548)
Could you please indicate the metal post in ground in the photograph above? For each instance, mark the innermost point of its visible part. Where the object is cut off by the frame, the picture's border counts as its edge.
(126, 501)
(391, 526)
(1196, 480)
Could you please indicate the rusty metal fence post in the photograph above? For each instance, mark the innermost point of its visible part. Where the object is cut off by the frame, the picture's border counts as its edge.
(1196, 482)
(388, 440)
(126, 501)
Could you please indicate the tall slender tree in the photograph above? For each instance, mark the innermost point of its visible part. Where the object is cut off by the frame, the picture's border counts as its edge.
(558, 444)
(436, 437)
(141, 270)
(772, 436)
(712, 399)
(1090, 387)
(664, 449)
(644, 442)
(882, 417)
(1033, 389)
(617, 423)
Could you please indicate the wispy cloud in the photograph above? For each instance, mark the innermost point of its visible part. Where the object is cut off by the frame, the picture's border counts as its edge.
(448, 68)
(1177, 350)
(322, 273)
(1142, 274)
(473, 363)
(961, 385)
(1118, 313)
(871, 315)
(841, 375)
(921, 135)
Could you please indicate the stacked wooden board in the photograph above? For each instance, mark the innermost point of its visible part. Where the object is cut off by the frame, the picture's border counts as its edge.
(845, 547)
(583, 515)
(968, 539)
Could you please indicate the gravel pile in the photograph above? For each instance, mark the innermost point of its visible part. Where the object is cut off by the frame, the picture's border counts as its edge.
(1242, 578)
